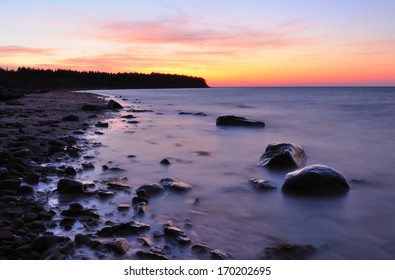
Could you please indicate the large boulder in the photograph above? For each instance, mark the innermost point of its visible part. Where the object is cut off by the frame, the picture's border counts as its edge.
(112, 104)
(315, 180)
(70, 186)
(283, 156)
(230, 120)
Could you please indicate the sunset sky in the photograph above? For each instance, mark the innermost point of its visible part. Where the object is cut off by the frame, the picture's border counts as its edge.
(229, 43)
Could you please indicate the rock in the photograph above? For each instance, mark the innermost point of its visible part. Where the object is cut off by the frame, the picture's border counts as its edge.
(128, 117)
(71, 118)
(104, 193)
(119, 246)
(220, 255)
(70, 171)
(165, 161)
(151, 189)
(141, 208)
(150, 255)
(230, 120)
(315, 180)
(201, 248)
(102, 124)
(31, 178)
(175, 185)
(141, 110)
(173, 231)
(262, 184)
(138, 199)
(119, 186)
(10, 184)
(145, 241)
(203, 153)
(283, 156)
(132, 227)
(25, 190)
(289, 252)
(55, 149)
(44, 242)
(23, 153)
(70, 186)
(6, 235)
(112, 104)
(183, 240)
(87, 165)
(67, 223)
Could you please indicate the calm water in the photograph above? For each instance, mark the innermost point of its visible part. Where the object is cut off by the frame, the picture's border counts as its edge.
(349, 129)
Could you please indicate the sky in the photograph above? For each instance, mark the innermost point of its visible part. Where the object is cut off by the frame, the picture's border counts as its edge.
(227, 42)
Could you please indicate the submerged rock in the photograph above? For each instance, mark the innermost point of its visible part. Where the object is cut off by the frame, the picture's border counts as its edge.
(132, 227)
(230, 120)
(220, 255)
(262, 184)
(141, 208)
(150, 189)
(175, 185)
(315, 180)
(289, 252)
(165, 161)
(119, 246)
(150, 255)
(283, 156)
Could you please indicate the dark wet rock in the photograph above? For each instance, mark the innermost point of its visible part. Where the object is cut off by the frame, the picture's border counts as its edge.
(14, 166)
(283, 156)
(71, 118)
(87, 165)
(203, 153)
(70, 186)
(67, 223)
(261, 184)
(119, 246)
(79, 132)
(361, 182)
(132, 227)
(141, 192)
(70, 171)
(92, 107)
(77, 210)
(315, 180)
(201, 248)
(10, 184)
(289, 252)
(165, 161)
(150, 255)
(131, 156)
(105, 168)
(137, 200)
(145, 241)
(175, 185)
(141, 208)
(55, 149)
(104, 193)
(157, 234)
(141, 110)
(112, 104)
(102, 124)
(220, 255)
(173, 231)
(116, 169)
(151, 189)
(128, 117)
(58, 251)
(25, 190)
(23, 153)
(183, 240)
(118, 186)
(200, 114)
(4, 174)
(6, 235)
(230, 120)
(31, 178)
(123, 207)
(44, 242)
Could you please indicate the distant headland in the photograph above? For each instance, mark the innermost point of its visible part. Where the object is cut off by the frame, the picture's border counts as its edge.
(25, 78)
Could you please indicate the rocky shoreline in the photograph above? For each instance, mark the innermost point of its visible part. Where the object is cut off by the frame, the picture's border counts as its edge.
(36, 131)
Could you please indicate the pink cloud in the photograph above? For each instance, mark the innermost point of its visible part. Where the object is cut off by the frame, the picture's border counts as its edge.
(20, 50)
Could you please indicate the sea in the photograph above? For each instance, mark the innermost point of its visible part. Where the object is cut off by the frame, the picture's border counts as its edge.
(350, 129)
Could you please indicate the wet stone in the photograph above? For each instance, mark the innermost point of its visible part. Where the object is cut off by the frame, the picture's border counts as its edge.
(201, 248)
(119, 246)
(151, 189)
(70, 186)
(220, 255)
(145, 241)
(261, 184)
(283, 156)
(289, 252)
(132, 227)
(150, 255)
(141, 208)
(175, 185)
(137, 200)
(165, 161)
(6, 235)
(119, 186)
(230, 120)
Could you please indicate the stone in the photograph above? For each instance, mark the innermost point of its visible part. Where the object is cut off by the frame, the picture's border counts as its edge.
(128, 117)
(150, 255)
(165, 161)
(141, 208)
(44, 242)
(119, 186)
(289, 252)
(31, 178)
(14, 102)
(70, 171)
(151, 189)
(70, 186)
(137, 199)
(175, 185)
(10, 184)
(261, 184)
(104, 193)
(119, 246)
(201, 248)
(145, 241)
(102, 124)
(25, 190)
(283, 156)
(220, 255)
(230, 120)
(132, 227)
(71, 118)
(315, 180)
(92, 107)
(87, 165)
(112, 104)
(6, 235)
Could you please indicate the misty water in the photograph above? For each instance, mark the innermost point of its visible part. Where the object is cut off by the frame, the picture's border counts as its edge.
(348, 129)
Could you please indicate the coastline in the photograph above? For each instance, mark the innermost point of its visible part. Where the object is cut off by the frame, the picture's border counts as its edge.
(36, 131)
